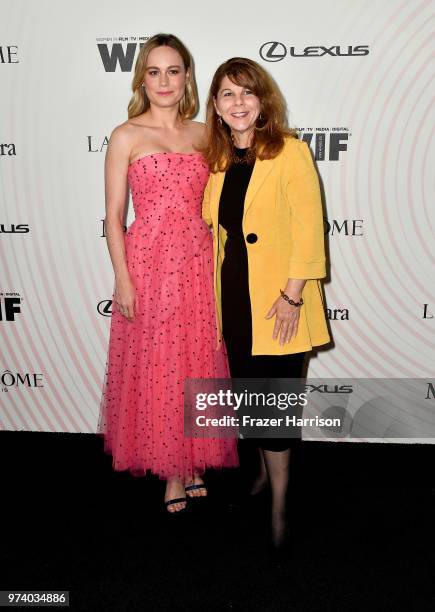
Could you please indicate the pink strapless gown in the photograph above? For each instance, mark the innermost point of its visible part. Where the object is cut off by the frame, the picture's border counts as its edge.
(173, 336)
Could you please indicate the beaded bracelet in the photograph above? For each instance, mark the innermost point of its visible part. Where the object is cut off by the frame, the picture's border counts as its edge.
(289, 300)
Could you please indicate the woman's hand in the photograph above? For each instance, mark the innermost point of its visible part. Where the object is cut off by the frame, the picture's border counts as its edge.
(286, 322)
(126, 300)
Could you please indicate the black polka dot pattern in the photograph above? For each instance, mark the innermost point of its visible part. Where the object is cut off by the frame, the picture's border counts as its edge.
(173, 336)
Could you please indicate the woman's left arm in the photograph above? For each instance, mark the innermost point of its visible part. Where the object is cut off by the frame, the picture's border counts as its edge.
(307, 258)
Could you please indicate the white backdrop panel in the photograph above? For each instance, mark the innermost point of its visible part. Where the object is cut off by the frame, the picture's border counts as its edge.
(368, 117)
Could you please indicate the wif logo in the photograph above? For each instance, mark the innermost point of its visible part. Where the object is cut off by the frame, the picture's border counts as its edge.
(9, 54)
(10, 305)
(118, 52)
(327, 143)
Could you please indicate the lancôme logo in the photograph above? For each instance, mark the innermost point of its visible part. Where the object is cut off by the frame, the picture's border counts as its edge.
(10, 379)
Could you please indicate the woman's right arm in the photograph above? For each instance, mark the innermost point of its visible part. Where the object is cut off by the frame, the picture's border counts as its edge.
(116, 187)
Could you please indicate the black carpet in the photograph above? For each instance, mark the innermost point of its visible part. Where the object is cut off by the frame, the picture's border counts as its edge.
(362, 531)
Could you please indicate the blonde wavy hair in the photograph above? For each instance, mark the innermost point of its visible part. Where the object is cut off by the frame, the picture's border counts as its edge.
(139, 102)
(271, 128)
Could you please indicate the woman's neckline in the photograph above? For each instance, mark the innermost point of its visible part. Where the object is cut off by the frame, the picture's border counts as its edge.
(162, 153)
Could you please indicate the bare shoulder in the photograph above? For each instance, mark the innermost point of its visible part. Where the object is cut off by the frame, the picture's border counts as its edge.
(197, 126)
(197, 133)
(122, 136)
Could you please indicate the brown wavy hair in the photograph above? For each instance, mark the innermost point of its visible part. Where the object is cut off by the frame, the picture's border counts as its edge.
(270, 130)
(139, 102)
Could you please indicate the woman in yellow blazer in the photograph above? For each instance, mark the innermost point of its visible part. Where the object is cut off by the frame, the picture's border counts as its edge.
(263, 203)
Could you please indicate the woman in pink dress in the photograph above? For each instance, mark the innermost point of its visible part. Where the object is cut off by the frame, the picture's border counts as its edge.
(163, 325)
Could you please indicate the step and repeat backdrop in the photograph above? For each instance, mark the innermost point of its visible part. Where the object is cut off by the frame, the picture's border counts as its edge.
(358, 80)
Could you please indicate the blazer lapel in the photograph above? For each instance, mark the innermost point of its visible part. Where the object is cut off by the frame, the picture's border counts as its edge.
(215, 196)
(261, 170)
(259, 174)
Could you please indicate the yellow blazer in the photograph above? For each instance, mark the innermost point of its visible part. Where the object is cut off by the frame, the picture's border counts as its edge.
(283, 224)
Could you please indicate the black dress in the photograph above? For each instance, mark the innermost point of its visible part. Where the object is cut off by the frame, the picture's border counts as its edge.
(236, 303)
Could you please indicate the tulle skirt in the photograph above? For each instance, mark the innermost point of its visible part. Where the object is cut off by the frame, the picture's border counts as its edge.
(142, 408)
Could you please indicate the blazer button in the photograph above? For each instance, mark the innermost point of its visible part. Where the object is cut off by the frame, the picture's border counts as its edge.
(251, 238)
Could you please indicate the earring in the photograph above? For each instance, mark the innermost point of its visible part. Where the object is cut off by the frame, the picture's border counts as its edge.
(219, 120)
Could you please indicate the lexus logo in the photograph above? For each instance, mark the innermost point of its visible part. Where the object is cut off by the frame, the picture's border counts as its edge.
(329, 388)
(273, 51)
(105, 308)
(13, 228)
